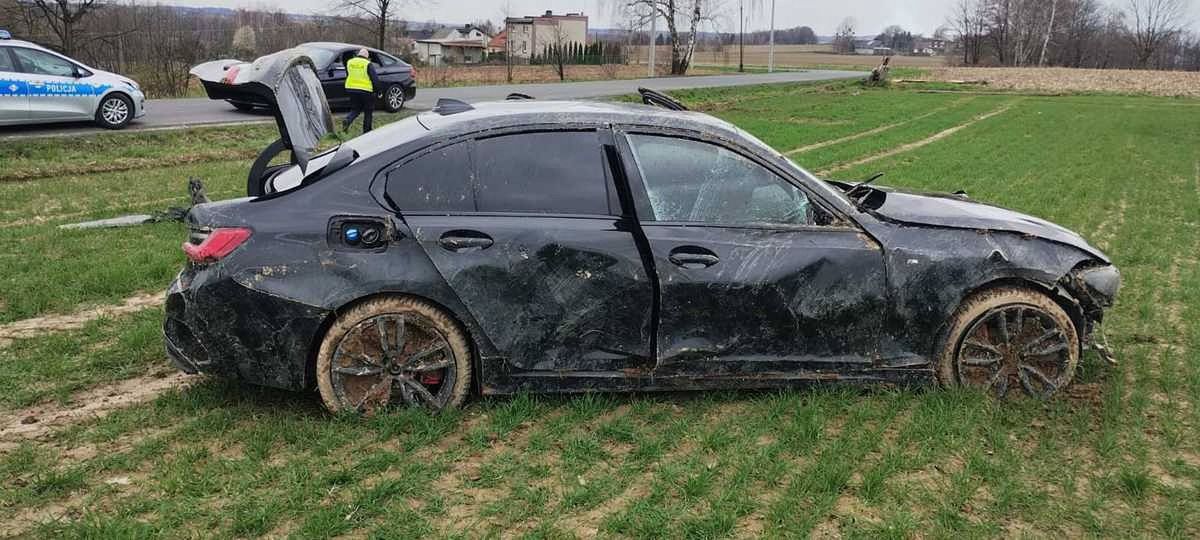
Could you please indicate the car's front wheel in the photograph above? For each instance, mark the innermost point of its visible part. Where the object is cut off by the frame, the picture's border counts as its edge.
(393, 98)
(114, 112)
(393, 351)
(1008, 340)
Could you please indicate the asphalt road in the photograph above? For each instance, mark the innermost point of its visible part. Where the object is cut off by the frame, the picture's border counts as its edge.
(178, 113)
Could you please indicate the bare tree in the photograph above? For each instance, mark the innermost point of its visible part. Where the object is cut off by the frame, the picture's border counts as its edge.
(377, 12)
(689, 13)
(64, 16)
(1049, 30)
(843, 39)
(969, 23)
(1155, 22)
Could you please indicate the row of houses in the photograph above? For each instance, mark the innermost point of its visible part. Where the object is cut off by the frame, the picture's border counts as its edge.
(522, 37)
(920, 47)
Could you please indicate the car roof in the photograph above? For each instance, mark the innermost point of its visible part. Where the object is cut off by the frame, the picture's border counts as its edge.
(334, 45)
(518, 113)
(29, 44)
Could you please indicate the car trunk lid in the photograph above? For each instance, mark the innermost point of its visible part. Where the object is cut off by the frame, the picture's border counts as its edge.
(286, 83)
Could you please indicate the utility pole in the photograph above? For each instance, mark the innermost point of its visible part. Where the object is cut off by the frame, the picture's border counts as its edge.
(653, 38)
(771, 54)
(741, 40)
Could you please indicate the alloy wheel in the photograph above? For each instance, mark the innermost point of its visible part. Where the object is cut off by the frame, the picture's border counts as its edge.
(395, 97)
(1015, 345)
(114, 111)
(393, 359)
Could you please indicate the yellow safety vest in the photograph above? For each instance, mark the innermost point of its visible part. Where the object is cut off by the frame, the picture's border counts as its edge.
(357, 77)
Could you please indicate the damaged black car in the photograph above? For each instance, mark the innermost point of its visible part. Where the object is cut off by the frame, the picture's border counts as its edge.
(523, 245)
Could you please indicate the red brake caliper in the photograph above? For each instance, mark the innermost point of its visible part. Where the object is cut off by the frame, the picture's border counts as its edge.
(431, 379)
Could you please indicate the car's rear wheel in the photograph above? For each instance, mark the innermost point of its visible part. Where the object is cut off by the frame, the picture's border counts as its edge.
(393, 98)
(115, 112)
(1010, 339)
(393, 351)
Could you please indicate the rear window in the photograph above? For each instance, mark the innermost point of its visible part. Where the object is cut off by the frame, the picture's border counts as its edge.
(542, 173)
(439, 181)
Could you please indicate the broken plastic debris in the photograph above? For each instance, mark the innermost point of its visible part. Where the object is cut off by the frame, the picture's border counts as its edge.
(122, 221)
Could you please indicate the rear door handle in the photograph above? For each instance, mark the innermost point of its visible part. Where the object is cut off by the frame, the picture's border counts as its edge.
(693, 257)
(464, 241)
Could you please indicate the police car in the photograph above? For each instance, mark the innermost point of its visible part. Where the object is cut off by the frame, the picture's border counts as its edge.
(39, 86)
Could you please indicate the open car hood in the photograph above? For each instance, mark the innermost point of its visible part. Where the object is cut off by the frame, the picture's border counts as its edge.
(944, 210)
(286, 83)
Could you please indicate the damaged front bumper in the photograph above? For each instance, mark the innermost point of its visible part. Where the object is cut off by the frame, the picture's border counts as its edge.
(216, 326)
(1094, 288)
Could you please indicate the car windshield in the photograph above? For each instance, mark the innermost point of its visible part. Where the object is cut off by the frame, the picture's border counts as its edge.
(320, 57)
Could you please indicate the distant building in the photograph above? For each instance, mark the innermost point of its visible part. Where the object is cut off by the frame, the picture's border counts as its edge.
(498, 42)
(465, 45)
(531, 35)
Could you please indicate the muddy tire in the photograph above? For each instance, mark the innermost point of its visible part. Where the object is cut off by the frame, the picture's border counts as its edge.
(1009, 338)
(393, 351)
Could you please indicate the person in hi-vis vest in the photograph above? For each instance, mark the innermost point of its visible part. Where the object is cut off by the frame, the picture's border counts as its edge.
(360, 86)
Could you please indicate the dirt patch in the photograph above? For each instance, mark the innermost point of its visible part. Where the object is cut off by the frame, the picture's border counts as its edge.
(30, 328)
(870, 132)
(41, 421)
(1068, 80)
(1107, 231)
(918, 144)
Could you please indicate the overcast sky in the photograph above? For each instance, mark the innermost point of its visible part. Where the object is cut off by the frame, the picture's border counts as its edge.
(822, 15)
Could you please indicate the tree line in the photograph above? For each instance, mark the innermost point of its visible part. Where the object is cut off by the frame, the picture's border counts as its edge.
(1145, 34)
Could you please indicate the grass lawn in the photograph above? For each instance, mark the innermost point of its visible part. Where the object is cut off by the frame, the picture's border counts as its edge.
(1116, 456)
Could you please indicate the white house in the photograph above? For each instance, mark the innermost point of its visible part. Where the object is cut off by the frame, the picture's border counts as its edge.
(466, 45)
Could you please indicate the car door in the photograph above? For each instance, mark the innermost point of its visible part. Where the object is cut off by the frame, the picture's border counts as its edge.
(14, 91)
(55, 92)
(333, 77)
(755, 277)
(526, 228)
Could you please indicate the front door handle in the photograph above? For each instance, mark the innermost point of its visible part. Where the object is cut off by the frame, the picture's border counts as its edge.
(464, 241)
(693, 257)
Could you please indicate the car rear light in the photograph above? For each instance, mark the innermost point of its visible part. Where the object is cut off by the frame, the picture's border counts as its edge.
(414, 73)
(215, 246)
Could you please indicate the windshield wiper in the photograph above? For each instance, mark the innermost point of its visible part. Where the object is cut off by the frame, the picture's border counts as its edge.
(865, 186)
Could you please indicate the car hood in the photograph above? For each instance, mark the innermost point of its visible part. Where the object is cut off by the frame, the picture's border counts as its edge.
(957, 211)
(286, 83)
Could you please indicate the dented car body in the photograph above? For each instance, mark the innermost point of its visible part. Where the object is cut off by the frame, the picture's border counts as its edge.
(605, 247)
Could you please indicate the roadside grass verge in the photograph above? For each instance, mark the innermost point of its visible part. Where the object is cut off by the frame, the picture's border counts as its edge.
(1115, 456)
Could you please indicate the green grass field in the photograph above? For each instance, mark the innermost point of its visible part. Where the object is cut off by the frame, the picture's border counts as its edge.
(1116, 456)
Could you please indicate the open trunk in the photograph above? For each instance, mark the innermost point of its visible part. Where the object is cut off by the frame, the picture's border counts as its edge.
(285, 83)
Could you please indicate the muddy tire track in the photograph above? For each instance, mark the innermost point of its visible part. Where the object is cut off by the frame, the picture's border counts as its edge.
(919, 144)
(38, 326)
(875, 131)
(42, 219)
(39, 422)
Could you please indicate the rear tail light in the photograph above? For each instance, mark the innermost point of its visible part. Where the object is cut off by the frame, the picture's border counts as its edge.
(414, 73)
(216, 245)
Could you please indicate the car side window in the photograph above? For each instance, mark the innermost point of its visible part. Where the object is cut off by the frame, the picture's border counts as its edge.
(439, 181)
(699, 182)
(560, 172)
(383, 59)
(6, 62)
(42, 63)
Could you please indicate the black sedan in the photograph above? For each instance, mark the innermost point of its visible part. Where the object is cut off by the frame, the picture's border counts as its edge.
(576, 247)
(399, 79)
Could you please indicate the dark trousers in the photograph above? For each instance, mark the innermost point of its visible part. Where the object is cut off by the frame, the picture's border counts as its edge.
(360, 102)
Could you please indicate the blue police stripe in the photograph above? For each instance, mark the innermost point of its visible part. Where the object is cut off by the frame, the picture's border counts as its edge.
(13, 88)
(22, 88)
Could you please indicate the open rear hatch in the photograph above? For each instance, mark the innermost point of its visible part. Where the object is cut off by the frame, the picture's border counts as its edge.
(286, 84)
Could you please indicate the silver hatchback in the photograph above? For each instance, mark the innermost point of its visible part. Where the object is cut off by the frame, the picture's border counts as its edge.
(39, 86)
